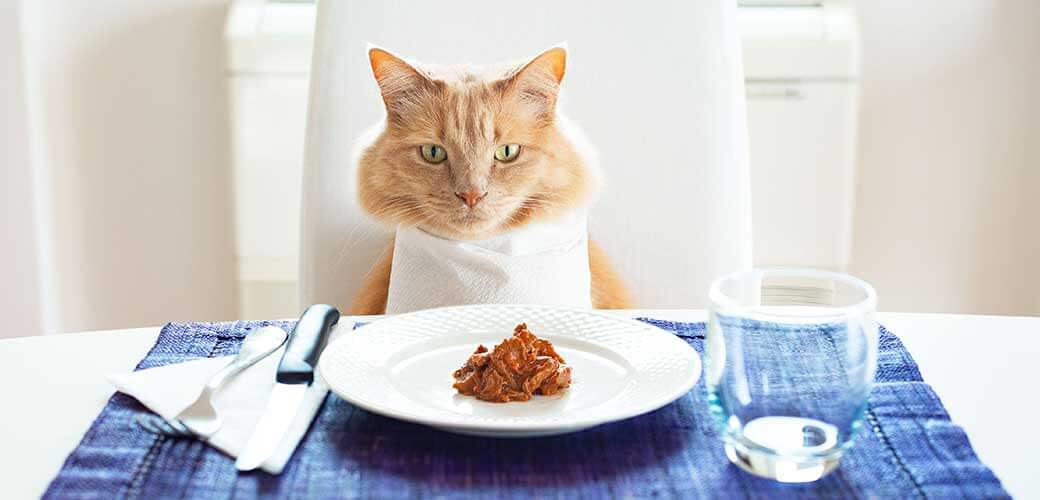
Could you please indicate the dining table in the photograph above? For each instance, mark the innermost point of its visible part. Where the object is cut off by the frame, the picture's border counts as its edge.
(985, 369)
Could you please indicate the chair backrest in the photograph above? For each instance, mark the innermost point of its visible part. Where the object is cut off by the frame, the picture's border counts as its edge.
(657, 87)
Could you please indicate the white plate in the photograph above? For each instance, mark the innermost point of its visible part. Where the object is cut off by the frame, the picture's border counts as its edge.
(402, 367)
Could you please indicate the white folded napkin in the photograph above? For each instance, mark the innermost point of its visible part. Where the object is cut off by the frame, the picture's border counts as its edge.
(544, 263)
(169, 389)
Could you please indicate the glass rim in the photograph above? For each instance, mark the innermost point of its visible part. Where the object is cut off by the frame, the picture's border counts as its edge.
(868, 304)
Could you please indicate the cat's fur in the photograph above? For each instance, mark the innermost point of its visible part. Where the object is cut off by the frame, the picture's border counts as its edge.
(471, 114)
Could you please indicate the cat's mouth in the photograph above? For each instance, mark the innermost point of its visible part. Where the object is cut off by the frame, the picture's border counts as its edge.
(466, 224)
(470, 219)
(459, 222)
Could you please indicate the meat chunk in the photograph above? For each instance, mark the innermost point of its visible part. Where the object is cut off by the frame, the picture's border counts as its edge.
(516, 369)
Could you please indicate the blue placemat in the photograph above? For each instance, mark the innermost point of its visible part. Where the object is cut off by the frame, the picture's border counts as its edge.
(909, 448)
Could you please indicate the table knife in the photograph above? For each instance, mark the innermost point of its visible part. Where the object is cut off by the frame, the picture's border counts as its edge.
(294, 378)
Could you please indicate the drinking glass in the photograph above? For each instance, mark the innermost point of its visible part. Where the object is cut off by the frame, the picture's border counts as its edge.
(789, 361)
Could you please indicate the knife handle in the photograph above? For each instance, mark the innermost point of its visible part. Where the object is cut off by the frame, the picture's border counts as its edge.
(307, 340)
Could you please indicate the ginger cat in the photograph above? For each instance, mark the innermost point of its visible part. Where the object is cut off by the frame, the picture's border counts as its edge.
(468, 155)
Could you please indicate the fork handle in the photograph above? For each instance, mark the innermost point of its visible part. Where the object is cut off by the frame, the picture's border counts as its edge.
(237, 365)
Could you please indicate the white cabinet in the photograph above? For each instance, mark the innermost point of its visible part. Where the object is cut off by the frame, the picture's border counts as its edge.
(802, 137)
(802, 72)
(269, 47)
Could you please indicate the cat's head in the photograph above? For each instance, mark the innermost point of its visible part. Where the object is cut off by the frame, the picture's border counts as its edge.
(467, 154)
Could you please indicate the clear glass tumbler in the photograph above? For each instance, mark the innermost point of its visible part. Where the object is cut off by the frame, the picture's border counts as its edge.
(789, 362)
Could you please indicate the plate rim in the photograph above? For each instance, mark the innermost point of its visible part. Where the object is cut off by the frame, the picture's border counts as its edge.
(505, 427)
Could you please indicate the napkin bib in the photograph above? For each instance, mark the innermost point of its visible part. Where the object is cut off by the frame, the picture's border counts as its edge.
(543, 263)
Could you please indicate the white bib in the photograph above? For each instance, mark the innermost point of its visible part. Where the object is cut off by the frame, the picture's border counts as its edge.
(544, 264)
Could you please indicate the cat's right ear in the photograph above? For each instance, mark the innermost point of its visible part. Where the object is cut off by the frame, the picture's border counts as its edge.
(399, 82)
(537, 83)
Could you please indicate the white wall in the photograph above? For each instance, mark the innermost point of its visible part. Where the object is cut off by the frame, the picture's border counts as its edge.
(949, 190)
(128, 98)
(130, 101)
(1031, 185)
(19, 273)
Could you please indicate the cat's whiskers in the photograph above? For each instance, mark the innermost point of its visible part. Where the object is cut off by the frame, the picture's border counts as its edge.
(395, 207)
(542, 204)
(387, 248)
(388, 209)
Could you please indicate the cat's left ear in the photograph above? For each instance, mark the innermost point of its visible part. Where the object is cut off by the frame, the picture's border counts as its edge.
(401, 85)
(537, 83)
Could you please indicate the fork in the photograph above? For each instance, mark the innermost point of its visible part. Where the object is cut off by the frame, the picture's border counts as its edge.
(160, 426)
(200, 418)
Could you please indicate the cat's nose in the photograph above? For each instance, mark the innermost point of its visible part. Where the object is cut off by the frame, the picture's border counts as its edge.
(471, 197)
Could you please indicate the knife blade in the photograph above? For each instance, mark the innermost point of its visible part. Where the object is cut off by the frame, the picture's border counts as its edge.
(295, 375)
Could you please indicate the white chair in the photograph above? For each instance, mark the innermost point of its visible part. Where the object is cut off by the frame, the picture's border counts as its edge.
(658, 88)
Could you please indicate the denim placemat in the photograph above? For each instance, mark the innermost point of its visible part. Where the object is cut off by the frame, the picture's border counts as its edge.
(908, 448)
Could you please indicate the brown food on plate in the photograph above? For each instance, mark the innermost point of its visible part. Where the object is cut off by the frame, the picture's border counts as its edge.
(519, 367)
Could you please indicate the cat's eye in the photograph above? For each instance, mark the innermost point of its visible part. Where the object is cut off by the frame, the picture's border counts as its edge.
(433, 153)
(507, 153)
